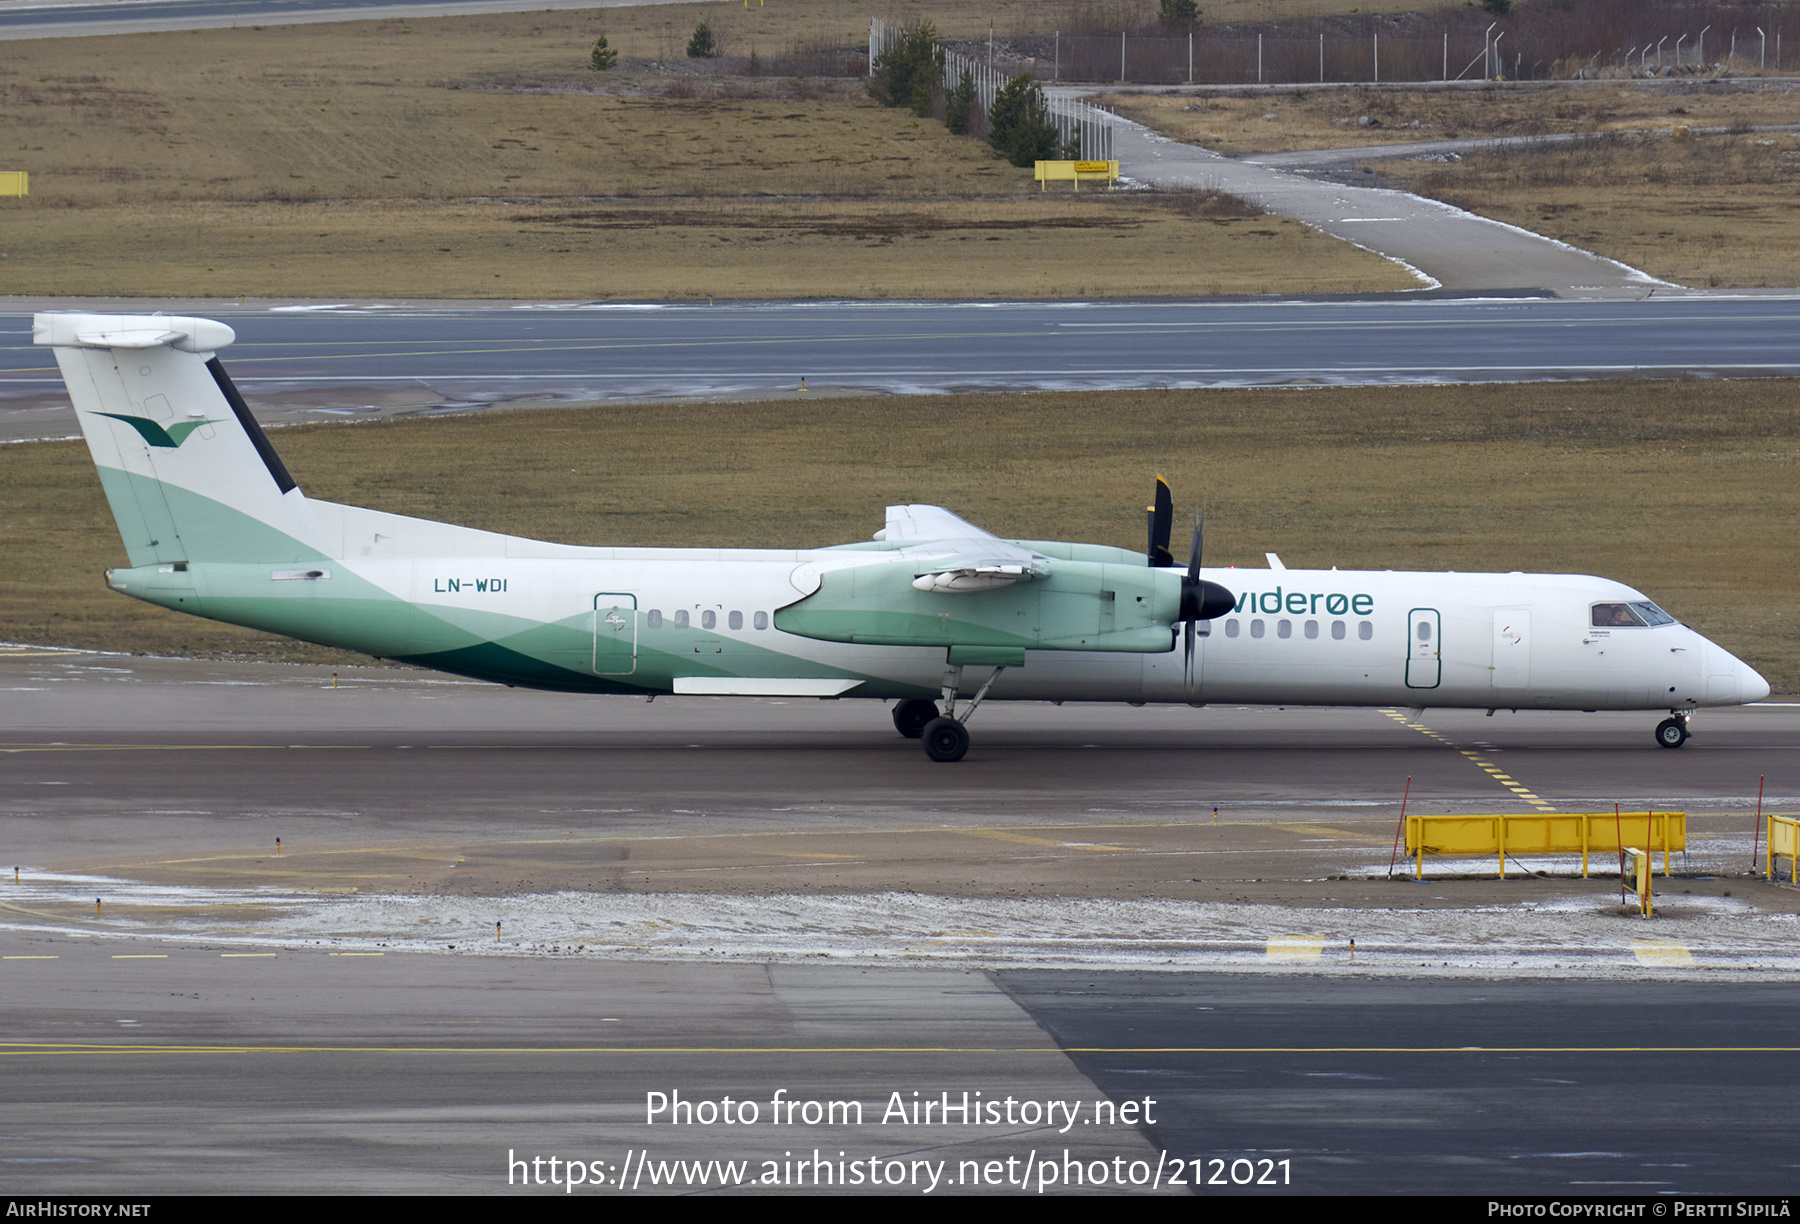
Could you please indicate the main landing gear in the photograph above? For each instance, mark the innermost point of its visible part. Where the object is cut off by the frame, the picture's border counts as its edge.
(1672, 732)
(942, 734)
(912, 715)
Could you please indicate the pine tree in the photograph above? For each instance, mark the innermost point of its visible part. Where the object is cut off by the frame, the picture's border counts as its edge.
(604, 57)
(959, 104)
(1019, 124)
(701, 45)
(1177, 12)
(908, 73)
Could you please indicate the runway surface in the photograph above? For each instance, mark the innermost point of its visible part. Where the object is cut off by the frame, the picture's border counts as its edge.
(328, 362)
(190, 1037)
(41, 19)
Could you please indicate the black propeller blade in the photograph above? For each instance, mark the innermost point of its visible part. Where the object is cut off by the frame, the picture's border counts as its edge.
(1162, 520)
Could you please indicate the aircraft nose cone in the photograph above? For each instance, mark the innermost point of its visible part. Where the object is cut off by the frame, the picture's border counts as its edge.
(1751, 685)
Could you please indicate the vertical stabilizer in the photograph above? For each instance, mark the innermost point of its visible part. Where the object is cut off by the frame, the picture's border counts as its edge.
(188, 471)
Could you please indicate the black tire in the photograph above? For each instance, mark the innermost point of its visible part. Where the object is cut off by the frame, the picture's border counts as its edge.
(945, 740)
(911, 716)
(1671, 733)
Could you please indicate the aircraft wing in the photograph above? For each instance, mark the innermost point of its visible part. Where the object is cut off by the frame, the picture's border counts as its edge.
(950, 554)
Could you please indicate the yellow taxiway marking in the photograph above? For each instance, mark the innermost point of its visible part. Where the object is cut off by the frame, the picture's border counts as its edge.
(1295, 947)
(28, 958)
(1022, 839)
(356, 954)
(142, 956)
(1317, 830)
(1476, 759)
(242, 955)
(1662, 952)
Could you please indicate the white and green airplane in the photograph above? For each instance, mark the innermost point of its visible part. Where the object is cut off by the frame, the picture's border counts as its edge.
(933, 613)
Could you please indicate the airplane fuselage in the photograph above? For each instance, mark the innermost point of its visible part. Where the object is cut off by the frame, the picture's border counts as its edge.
(659, 621)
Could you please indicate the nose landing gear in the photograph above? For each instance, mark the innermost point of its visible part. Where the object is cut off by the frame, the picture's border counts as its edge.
(1672, 732)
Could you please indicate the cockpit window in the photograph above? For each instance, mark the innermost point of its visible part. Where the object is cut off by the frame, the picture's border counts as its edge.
(1612, 616)
(1652, 614)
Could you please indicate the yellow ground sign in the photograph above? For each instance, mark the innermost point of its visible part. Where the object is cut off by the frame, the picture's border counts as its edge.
(1075, 171)
(1784, 842)
(1545, 833)
(14, 183)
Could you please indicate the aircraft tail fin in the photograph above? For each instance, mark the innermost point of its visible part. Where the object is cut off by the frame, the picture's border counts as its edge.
(189, 473)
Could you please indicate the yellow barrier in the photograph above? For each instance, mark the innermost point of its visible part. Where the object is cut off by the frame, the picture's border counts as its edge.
(1544, 833)
(1075, 171)
(1784, 841)
(15, 183)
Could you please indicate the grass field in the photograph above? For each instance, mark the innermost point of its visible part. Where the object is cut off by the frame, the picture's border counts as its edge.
(479, 157)
(1232, 121)
(1688, 490)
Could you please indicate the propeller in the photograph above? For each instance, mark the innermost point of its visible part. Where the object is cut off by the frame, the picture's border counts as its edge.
(1200, 599)
(1162, 518)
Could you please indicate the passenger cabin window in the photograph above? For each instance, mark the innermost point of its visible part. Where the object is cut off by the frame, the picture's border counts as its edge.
(654, 618)
(1256, 628)
(681, 619)
(708, 619)
(1365, 630)
(1231, 628)
(1312, 629)
(1284, 629)
(735, 620)
(760, 620)
(1337, 631)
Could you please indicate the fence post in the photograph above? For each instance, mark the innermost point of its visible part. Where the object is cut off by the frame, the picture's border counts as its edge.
(1378, 57)
(1121, 57)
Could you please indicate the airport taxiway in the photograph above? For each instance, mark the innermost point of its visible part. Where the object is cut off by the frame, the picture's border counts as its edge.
(753, 897)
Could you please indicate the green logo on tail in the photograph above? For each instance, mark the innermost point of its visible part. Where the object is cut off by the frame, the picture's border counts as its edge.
(155, 434)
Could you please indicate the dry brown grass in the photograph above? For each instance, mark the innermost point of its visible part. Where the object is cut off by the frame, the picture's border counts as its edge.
(1033, 246)
(1687, 490)
(477, 157)
(1231, 121)
(1713, 210)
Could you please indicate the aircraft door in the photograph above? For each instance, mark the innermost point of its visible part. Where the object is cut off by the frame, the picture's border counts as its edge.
(1424, 652)
(1512, 648)
(615, 634)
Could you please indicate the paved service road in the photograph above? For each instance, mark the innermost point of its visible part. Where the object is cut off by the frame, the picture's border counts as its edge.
(317, 363)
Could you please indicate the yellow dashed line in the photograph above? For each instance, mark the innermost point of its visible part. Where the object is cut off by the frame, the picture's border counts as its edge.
(1476, 759)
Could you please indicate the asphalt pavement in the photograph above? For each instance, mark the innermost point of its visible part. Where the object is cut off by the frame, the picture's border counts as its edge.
(323, 361)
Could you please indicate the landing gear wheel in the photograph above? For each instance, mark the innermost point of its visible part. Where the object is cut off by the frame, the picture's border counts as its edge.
(912, 715)
(1671, 733)
(945, 740)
